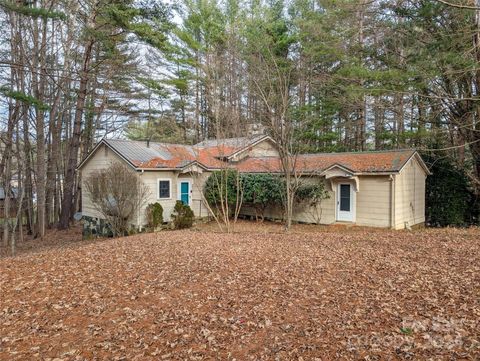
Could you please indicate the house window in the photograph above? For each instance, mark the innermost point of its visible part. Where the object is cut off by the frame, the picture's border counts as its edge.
(164, 188)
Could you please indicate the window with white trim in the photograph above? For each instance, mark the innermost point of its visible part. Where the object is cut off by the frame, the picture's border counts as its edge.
(164, 188)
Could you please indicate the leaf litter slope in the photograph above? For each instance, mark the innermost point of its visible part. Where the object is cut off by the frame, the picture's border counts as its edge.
(202, 295)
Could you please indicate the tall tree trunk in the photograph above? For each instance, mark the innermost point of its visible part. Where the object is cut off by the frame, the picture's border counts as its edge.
(7, 173)
(28, 186)
(52, 168)
(378, 114)
(361, 130)
(475, 127)
(399, 120)
(38, 83)
(13, 114)
(70, 172)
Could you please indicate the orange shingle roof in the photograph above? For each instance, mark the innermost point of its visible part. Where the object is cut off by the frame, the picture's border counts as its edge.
(210, 154)
(360, 162)
(162, 155)
(182, 157)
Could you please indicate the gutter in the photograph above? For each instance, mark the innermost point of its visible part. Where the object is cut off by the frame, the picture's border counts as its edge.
(310, 173)
(173, 169)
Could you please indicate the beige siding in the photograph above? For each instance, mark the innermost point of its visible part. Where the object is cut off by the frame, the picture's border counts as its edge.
(104, 156)
(263, 149)
(324, 213)
(101, 159)
(410, 195)
(196, 200)
(373, 201)
(151, 178)
(372, 205)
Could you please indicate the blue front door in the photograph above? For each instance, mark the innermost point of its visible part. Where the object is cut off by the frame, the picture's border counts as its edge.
(185, 192)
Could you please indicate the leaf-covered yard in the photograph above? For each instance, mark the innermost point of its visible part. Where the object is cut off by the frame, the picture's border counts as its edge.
(316, 293)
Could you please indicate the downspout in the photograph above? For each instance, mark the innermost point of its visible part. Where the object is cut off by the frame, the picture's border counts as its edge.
(138, 210)
(176, 176)
(392, 201)
(414, 194)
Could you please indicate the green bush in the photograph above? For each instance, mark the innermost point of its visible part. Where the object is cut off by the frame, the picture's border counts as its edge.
(221, 185)
(154, 214)
(450, 200)
(262, 190)
(259, 191)
(312, 194)
(182, 215)
(132, 231)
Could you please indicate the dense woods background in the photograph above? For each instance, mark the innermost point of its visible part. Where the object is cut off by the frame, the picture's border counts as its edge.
(345, 75)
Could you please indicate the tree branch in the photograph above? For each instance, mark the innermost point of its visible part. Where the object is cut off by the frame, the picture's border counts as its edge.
(459, 6)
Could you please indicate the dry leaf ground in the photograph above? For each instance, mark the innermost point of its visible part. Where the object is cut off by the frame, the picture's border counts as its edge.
(315, 294)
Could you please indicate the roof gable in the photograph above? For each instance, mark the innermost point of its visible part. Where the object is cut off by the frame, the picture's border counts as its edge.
(95, 149)
(337, 170)
(416, 156)
(231, 147)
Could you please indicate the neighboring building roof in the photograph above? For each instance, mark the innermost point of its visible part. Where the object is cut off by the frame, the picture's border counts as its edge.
(225, 148)
(359, 162)
(239, 142)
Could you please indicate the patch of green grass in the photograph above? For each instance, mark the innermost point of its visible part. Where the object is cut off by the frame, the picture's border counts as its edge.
(406, 331)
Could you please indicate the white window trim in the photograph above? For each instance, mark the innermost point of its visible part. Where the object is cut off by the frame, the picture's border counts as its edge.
(179, 189)
(169, 188)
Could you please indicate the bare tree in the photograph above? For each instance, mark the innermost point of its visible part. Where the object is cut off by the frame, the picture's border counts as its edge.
(18, 222)
(273, 82)
(74, 144)
(224, 209)
(117, 193)
(223, 185)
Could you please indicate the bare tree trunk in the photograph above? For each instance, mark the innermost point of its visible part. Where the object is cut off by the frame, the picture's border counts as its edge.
(13, 112)
(28, 191)
(52, 171)
(68, 196)
(399, 120)
(475, 129)
(197, 99)
(38, 83)
(361, 130)
(379, 127)
(361, 139)
(7, 171)
(19, 216)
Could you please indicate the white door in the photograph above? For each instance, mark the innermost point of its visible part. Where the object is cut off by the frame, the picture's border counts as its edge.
(345, 204)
